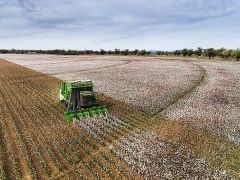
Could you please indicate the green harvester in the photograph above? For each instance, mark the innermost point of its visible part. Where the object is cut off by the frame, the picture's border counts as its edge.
(79, 100)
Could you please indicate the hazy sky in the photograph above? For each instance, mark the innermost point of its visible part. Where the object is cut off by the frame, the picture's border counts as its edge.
(109, 24)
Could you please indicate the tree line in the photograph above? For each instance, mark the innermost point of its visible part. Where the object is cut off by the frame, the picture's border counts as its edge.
(210, 53)
(78, 52)
(228, 54)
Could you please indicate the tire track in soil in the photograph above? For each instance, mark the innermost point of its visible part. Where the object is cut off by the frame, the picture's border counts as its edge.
(186, 93)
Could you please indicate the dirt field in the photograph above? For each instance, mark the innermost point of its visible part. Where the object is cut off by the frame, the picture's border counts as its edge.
(158, 107)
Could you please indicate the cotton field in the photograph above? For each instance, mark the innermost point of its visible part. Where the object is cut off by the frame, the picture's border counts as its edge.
(59, 65)
(149, 84)
(216, 103)
(169, 118)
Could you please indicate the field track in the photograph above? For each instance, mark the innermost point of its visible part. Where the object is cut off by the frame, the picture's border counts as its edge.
(188, 92)
(37, 142)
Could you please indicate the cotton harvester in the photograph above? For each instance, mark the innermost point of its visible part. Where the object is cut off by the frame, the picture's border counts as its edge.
(79, 100)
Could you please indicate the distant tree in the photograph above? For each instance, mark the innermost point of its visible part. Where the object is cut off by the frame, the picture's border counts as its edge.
(4, 51)
(135, 52)
(160, 53)
(142, 52)
(199, 51)
(102, 52)
(210, 52)
(236, 54)
(125, 52)
(88, 52)
(227, 53)
(219, 52)
(149, 53)
(177, 52)
(184, 52)
(110, 52)
(117, 51)
(167, 53)
(190, 52)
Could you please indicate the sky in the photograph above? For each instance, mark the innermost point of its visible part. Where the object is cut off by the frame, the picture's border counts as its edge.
(123, 24)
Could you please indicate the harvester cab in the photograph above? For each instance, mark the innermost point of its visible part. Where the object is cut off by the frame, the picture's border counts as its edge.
(79, 100)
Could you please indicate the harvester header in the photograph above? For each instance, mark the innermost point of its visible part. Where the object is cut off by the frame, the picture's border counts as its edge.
(79, 100)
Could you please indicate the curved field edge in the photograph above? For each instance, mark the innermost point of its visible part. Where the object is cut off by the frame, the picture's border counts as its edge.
(187, 92)
(157, 123)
